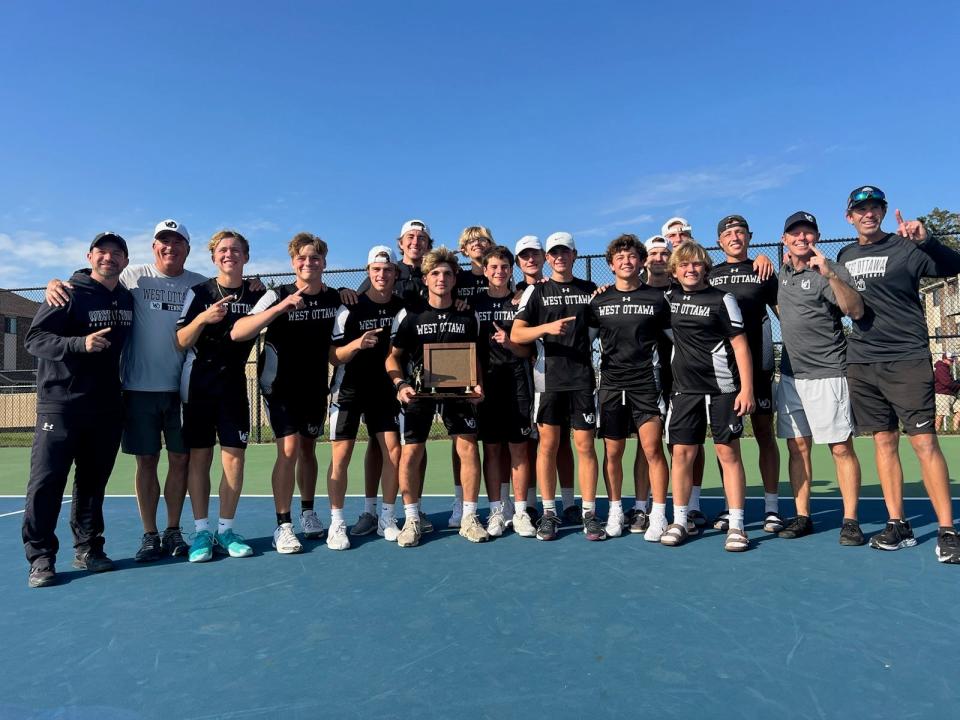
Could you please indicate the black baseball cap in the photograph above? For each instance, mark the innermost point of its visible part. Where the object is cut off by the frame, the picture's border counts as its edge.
(864, 193)
(110, 237)
(801, 216)
(731, 221)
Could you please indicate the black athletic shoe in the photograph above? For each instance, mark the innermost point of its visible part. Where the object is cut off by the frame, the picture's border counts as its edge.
(573, 515)
(42, 576)
(948, 546)
(548, 526)
(593, 527)
(639, 522)
(799, 527)
(173, 544)
(897, 534)
(850, 533)
(95, 561)
(150, 548)
(534, 514)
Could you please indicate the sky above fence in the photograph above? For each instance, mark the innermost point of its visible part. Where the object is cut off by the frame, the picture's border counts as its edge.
(345, 119)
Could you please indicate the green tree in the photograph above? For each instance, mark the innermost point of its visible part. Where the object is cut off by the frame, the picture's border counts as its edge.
(945, 225)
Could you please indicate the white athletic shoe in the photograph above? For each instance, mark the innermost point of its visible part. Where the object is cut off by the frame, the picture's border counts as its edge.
(523, 525)
(496, 524)
(615, 524)
(311, 525)
(285, 540)
(508, 510)
(658, 526)
(457, 515)
(337, 538)
(387, 528)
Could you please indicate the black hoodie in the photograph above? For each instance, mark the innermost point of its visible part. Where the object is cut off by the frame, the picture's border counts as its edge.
(69, 379)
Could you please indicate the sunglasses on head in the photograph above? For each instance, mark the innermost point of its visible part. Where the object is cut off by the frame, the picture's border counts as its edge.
(864, 195)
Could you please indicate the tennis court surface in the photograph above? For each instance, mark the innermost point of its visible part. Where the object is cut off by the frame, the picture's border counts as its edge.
(792, 629)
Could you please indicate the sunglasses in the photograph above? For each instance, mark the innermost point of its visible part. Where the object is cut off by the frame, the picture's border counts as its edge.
(864, 195)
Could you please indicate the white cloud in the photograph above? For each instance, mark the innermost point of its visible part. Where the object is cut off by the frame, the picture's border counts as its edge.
(607, 228)
(737, 181)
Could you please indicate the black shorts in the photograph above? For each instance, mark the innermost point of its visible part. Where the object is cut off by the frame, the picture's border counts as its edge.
(208, 417)
(623, 411)
(566, 408)
(763, 392)
(293, 416)
(416, 419)
(147, 417)
(505, 415)
(379, 414)
(883, 392)
(689, 414)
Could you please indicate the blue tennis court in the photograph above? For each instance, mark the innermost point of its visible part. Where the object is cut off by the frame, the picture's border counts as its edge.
(792, 629)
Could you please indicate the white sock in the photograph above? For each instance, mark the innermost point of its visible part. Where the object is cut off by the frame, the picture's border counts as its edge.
(370, 505)
(616, 507)
(411, 511)
(505, 491)
(569, 499)
(680, 515)
(659, 510)
(589, 506)
(202, 525)
(519, 506)
(386, 510)
(771, 503)
(695, 498)
(496, 506)
(336, 515)
(469, 508)
(550, 506)
(531, 496)
(458, 492)
(736, 518)
(224, 524)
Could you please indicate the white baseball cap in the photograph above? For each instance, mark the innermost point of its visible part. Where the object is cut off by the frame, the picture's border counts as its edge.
(380, 254)
(682, 222)
(173, 226)
(527, 242)
(415, 225)
(559, 239)
(656, 241)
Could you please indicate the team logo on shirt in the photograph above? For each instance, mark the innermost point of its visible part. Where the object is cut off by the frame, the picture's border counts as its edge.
(805, 284)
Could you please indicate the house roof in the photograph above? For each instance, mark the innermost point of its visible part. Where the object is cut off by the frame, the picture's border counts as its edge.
(14, 305)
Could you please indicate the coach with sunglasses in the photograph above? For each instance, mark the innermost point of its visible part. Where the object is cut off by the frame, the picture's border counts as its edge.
(889, 373)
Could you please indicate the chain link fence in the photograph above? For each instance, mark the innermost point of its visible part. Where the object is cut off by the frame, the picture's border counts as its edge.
(941, 300)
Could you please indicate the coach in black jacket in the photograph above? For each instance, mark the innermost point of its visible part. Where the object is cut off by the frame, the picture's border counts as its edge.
(79, 410)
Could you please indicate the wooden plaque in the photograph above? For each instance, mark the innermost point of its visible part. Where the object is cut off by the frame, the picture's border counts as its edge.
(449, 370)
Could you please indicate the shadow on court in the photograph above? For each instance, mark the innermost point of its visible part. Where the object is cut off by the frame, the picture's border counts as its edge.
(793, 629)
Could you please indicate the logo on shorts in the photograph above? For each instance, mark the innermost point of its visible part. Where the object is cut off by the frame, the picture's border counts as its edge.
(470, 423)
(764, 403)
(736, 428)
(313, 430)
(589, 418)
(525, 431)
(805, 284)
(243, 436)
(48, 426)
(919, 425)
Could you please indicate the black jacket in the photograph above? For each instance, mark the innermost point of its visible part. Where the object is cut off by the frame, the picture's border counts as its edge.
(69, 379)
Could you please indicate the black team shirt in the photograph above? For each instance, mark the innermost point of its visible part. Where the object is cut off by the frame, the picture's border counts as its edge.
(365, 375)
(412, 329)
(703, 322)
(215, 365)
(297, 341)
(887, 274)
(469, 286)
(563, 362)
(630, 326)
(753, 296)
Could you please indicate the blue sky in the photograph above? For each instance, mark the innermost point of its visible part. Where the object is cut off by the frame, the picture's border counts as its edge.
(345, 119)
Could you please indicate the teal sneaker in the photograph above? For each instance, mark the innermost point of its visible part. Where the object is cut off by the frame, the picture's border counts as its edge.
(201, 549)
(229, 543)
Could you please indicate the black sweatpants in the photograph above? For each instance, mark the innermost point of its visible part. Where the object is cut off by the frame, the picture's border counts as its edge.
(90, 442)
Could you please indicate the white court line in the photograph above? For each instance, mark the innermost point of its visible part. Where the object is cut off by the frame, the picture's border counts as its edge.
(17, 512)
(483, 497)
